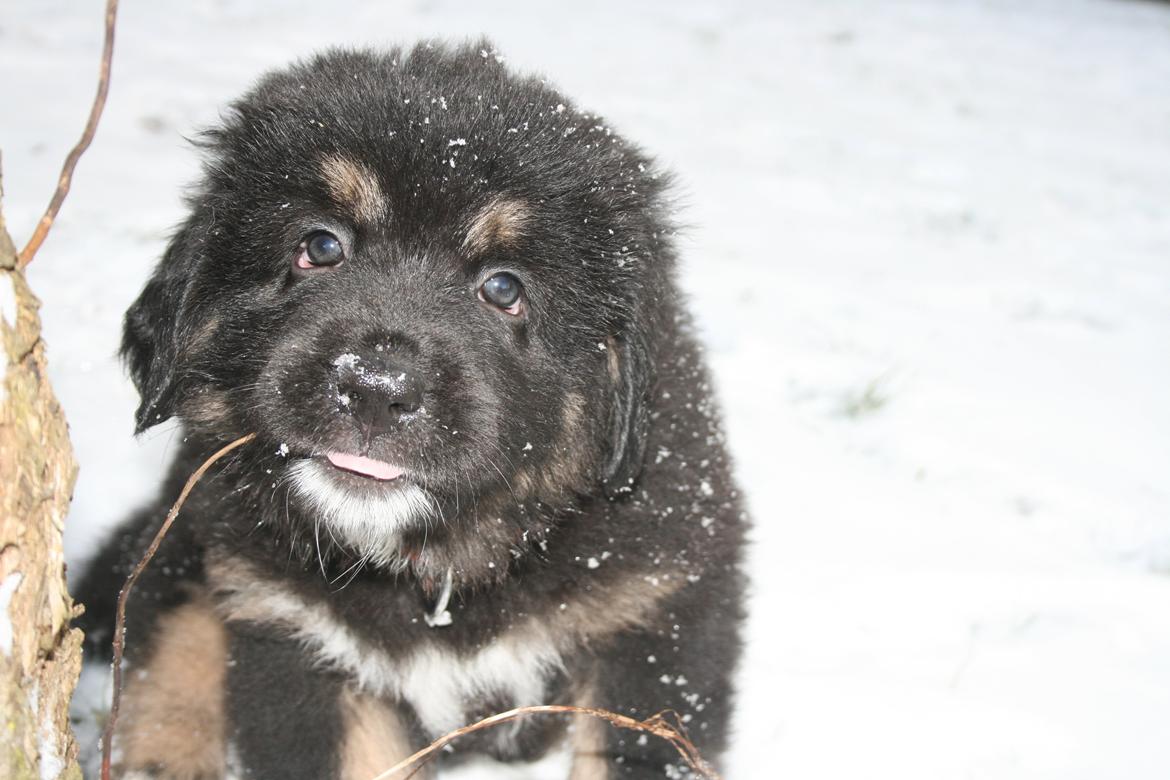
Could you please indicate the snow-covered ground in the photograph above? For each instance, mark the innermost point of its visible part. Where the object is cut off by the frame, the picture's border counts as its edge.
(930, 252)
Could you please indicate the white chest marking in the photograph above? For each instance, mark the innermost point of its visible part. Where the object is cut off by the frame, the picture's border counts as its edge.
(436, 681)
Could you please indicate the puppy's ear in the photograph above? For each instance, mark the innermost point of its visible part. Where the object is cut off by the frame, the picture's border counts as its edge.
(150, 334)
(629, 367)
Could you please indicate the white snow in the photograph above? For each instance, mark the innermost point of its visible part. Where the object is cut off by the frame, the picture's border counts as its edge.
(52, 763)
(7, 590)
(928, 246)
(8, 307)
(348, 360)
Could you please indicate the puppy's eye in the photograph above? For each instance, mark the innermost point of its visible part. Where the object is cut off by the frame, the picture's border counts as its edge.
(503, 291)
(319, 250)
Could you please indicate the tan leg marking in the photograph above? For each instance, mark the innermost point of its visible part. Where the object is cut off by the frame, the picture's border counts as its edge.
(500, 223)
(354, 187)
(587, 741)
(173, 707)
(629, 602)
(375, 737)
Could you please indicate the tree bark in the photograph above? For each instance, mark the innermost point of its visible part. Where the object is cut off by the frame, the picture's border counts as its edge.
(40, 655)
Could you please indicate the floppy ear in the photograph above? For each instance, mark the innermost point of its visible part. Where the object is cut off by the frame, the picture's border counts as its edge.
(150, 334)
(628, 421)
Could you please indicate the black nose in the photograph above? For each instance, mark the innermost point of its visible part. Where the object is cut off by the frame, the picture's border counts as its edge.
(378, 389)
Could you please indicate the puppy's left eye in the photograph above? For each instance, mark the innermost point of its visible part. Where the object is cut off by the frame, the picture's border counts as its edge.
(319, 250)
(503, 290)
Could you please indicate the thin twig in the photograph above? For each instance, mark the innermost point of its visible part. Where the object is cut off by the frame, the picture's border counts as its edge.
(95, 113)
(120, 620)
(658, 725)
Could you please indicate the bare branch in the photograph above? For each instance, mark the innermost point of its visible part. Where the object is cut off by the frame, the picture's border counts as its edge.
(659, 725)
(120, 621)
(95, 114)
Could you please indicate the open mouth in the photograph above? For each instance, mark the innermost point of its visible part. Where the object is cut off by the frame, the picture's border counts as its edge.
(365, 467)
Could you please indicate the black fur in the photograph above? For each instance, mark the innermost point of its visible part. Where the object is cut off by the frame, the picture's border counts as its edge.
(568, 452)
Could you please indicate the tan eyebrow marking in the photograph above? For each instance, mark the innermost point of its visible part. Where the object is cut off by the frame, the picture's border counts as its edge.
(500, 223)
(354, 187)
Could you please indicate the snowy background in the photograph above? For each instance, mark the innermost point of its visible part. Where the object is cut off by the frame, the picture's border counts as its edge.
(929, 249)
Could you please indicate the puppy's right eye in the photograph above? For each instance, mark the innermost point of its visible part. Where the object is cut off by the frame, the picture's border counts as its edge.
(319, 250)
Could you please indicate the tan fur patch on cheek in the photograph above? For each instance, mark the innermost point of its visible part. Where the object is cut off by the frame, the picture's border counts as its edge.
(354, 187)
(204, 334)
(375, 737)
(567, 467)
(568, 464)
(613, 360)
(498, 224)
(208, 408)
(522, 484)
(572, 413)
(173, 708)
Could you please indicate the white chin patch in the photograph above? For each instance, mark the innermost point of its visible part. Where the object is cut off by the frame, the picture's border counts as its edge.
(368, 522)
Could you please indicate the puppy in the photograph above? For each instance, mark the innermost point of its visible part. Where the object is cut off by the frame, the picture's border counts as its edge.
(488, 470)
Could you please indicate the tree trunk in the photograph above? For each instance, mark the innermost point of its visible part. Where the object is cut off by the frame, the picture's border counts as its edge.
(40, 655)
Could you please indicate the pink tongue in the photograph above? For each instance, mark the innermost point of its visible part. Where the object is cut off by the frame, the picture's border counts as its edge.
(367, 467)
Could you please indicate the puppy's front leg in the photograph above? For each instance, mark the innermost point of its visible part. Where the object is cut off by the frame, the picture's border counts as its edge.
(289, 719)
(172, 725)
(284, 716)
(647, 672)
